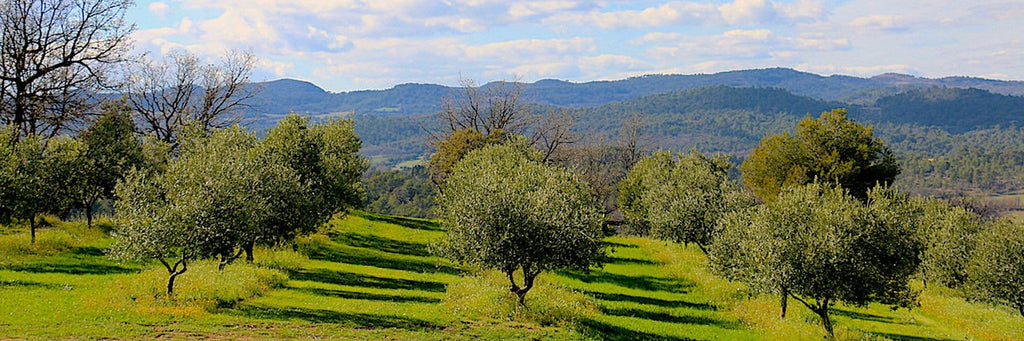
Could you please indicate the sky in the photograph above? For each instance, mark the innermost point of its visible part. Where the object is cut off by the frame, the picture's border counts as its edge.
(345, 45)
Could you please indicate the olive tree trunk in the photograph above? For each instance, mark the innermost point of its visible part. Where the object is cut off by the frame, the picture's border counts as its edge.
(529, 274)
(820, 308)
(173, 272)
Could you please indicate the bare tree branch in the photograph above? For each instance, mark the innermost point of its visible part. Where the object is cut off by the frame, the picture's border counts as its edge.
(55, 55)
(170, 94)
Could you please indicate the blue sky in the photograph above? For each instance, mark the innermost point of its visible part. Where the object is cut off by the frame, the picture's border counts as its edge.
(351, 44)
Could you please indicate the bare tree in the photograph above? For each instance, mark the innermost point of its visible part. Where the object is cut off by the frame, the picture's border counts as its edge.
(633, 144)
(602, 161)
(500, 107)
(552, 132)
(182, 90)
(54, 54)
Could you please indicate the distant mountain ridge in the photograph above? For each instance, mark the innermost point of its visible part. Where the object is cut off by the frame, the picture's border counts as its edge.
(283, 96)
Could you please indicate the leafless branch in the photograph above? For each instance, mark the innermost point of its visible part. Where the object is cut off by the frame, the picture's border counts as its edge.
(54, 55)
(169, 94)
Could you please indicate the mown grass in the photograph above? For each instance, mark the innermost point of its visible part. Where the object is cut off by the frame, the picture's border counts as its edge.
(367, 276)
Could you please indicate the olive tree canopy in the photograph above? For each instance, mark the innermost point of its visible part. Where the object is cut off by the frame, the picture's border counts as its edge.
(503, 209)
(680, 200)
(819, 245)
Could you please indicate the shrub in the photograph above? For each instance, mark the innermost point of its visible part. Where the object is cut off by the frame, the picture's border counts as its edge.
(205, 287)
(311, 244)
(280, 258)
(486, 295)
(61, 237)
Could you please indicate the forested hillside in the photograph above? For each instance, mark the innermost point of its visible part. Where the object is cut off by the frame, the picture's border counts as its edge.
(283, 96)
(950, 142)
(951, 139)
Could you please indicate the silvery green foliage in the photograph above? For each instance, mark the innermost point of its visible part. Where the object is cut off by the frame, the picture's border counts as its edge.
(632, 189)
(325, 158)
(996, 268)
(207, 200)
(110, 149)
(821, 246)
(503, 209)
(948, 232)
(680, 200)
(228, 190)
(341, 164)
(36, 175)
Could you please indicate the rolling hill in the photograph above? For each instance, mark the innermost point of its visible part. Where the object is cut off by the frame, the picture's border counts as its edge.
(282, 96)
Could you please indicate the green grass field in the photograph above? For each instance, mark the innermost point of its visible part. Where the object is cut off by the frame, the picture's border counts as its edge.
(373, 277)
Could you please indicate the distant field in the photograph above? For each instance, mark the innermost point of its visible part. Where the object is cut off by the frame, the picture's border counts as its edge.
(411, 163)
(372, 277)
(1013, 204)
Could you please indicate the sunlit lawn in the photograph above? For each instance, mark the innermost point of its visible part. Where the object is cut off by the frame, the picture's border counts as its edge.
(373, 277)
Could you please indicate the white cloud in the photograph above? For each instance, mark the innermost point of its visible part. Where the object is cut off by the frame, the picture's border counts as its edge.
(672, 13)
(159, 8)
(689, 13)
(740, 44)
(803, 10)
(747, 12)
(374, 43)
(860, 71)
(278, 69)
(888, 23)
(608, 66)
(521, 10)
(533, 48)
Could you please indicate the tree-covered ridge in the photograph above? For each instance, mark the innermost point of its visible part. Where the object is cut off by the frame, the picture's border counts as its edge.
(978, 154)
(952, 109)
(280, 97)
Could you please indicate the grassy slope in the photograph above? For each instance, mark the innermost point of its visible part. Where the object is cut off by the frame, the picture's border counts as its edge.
(374, 279)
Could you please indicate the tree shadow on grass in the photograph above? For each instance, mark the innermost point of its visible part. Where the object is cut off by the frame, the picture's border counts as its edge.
(649, 301)
(647, 283)
(404, 222)
(355, 320)
(615, 244)
(349, 256)
(665, 317)
(604, 331)
(351, 279)
(631, 261)
(28, 284)
(77, 267)
(900, 337)
(366, 296)
(868, 317)
(89, 251)
(382, 244)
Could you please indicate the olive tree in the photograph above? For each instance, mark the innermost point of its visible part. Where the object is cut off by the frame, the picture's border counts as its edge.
(36, 175)
(819, 245)
(475, 116)
(831, 148)
(325, 159)
(110, 150)
(996, 267)
(453, 148)
(228, 191)
(949, 233)
(680, 200)
(206, 201)
(503, 209)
